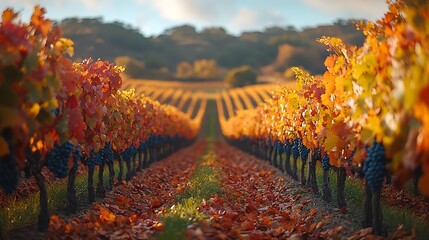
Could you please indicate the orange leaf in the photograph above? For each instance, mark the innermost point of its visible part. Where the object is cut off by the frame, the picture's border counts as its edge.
(159, 226)
(8, 15)
(329, 62)
(312, 227)
(156, 202)
(312, 211)
(106, 215)
(359, 156)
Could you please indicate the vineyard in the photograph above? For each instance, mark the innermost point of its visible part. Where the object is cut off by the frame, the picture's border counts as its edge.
(338, 156)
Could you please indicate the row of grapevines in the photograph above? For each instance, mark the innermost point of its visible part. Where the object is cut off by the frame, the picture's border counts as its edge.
(54, 112)
(369, 108)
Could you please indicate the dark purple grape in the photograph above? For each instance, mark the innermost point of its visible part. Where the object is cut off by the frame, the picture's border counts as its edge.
(373, 167)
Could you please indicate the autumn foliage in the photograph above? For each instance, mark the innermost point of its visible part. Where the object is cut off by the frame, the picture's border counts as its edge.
(376, 92)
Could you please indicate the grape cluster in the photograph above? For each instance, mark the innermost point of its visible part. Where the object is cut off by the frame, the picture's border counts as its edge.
(295, 148)
(288, 147)
(57, 159)
(142, 146)
(106, 154)
(279, 147)
(373, 167)
(317, 154)
(303, 151)
(126, 155)
(133, 150)
(9, 175)
(325, 162)
(93, 159)
(154, 140)
(77, 154)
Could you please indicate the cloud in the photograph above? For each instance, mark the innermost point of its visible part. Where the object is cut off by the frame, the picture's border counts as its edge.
(201, 11)
(29, 4)
(248, 19)
(370, 8)
(225, 13)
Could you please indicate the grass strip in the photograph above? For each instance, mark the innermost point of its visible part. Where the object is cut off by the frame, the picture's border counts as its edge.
(204, 183)
(21, 213)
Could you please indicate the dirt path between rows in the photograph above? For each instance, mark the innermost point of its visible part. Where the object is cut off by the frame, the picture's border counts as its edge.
(260, 203)
(131, 211)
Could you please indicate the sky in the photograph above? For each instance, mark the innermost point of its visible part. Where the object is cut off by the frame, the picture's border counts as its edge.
(152, 17)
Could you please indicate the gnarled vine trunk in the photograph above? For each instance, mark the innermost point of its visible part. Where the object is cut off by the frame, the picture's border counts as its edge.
(71, 191)
(274, 159)
(91, 191)
(281, 163)
(295, 169)
(121, 169)
(341, 182)
(373, 215)
(140, 167)
(43, 223)
(146, 158)
(128, 175)
(326, 193)
(303, 179)
(101, 190)
(111, 176)
(312, 179)
(288, 168)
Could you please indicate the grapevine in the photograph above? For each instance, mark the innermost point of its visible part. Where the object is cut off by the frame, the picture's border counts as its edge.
(325, 162)
(374, 167)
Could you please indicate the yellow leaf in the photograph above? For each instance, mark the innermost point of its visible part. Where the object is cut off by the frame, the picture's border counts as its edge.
(374, 123)
(34, 110)
(366, 135)
(331, 141)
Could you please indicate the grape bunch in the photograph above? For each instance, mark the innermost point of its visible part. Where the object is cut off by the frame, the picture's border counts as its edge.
(303, 151)
(126, 155)
(142, 146)
(93, 159)
(317, 154)
(295, 148)
(279, 147)
(325, 162)
(133, 150)
(77, 154)
(107, 155)
(153, 140)
(288, 147)
(9, 175)
(58, 158)
(374, 168)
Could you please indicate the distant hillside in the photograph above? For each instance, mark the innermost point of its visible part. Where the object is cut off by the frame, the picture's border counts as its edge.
(97, 39)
